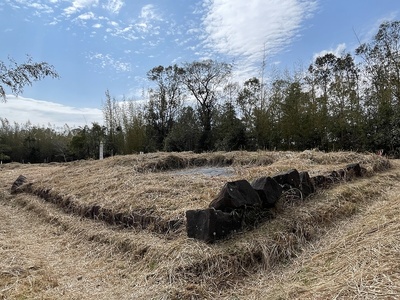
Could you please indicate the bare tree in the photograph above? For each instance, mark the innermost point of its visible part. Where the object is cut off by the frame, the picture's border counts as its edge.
(17, 76)
(204, 80)
(165, 100)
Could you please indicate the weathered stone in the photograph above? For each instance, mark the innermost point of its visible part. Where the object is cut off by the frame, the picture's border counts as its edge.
(354, 169)
(291, 177)
(341, 173)
(286, 187)
(335, 176)
(320, 181)
(268, 189)
(306, 185)
(210, 225)
(18, 183)
(234, 195)
(363, 171)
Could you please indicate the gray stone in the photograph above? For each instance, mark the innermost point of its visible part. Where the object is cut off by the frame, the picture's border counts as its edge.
(291, 177)
(268, 189)
(236, 195)
(210, 225)
(306, 185)
(18, 184)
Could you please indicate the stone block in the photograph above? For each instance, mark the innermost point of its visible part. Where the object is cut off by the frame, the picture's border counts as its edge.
(210, 225)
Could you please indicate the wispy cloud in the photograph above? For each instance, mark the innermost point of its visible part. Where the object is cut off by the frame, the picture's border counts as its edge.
(149, 13)
(338, 51)
(37, 6)
(86, 16)
(147, 19)
(248, 29)
(42, 113)
(108, 61)
(146, 24)
(114, 6)
(41, 7)
(78, 5)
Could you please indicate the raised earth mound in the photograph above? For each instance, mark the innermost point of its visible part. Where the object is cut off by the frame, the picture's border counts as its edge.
(134, 227)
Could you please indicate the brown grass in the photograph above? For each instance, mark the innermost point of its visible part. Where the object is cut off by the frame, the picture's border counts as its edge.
(51, 252)
(358, 258)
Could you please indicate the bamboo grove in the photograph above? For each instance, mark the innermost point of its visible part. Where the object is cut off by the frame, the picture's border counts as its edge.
(340, 102)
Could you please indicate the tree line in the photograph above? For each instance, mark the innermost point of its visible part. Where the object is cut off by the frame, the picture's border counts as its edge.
(340, 102)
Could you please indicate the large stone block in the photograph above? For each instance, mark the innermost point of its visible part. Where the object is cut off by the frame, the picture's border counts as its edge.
(291, 177)
(210, 225)
(236, 195)
(268, 190)
(17, 186)
(306, 185)
(320, 181)
(354, 170)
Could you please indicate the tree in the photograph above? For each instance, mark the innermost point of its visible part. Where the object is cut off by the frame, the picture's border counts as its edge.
(134, 126)
(347, 121)
(249, 100)
(165, 101)
(382, 82)
(5, 150)
(253, 110)
(113, 119)
(85, 142)
(185, 133)
(294, 111)
(319, 80)
(17, 76)
(230, 131)
(204, 80)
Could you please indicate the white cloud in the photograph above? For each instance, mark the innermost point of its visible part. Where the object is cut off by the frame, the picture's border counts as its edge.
(127, 32)
(245, 29)
(107, 61)
(148, 16)
(338, 51)
(42, 113)
(148, 13)
(78, 5)
(114, 6)
(41, 7)
(36, 5)
(86, 16)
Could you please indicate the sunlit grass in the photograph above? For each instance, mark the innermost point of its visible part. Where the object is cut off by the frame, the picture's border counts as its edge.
(145, 263)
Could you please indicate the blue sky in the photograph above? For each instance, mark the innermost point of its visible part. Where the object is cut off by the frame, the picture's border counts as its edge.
(97, 45)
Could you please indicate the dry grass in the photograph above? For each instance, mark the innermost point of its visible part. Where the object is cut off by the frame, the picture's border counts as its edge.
(55, 255)
(358, 258)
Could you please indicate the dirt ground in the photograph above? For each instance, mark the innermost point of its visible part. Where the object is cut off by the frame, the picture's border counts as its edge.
(47, 254)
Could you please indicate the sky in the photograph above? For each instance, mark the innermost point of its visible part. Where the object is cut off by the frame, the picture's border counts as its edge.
(100, 45)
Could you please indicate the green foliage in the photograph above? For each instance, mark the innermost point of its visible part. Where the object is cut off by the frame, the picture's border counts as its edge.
(204, 80)
(382, 86)
(335, 105)
(164, 103)
(185, 133)
(230, 132)
(27, 143)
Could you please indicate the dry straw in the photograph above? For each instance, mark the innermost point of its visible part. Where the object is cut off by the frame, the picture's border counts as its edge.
(136, 263)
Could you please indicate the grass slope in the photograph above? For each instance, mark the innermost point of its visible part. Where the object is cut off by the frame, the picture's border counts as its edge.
(324, 246)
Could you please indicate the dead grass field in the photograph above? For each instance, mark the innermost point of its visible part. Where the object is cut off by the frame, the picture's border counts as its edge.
(341, 242)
